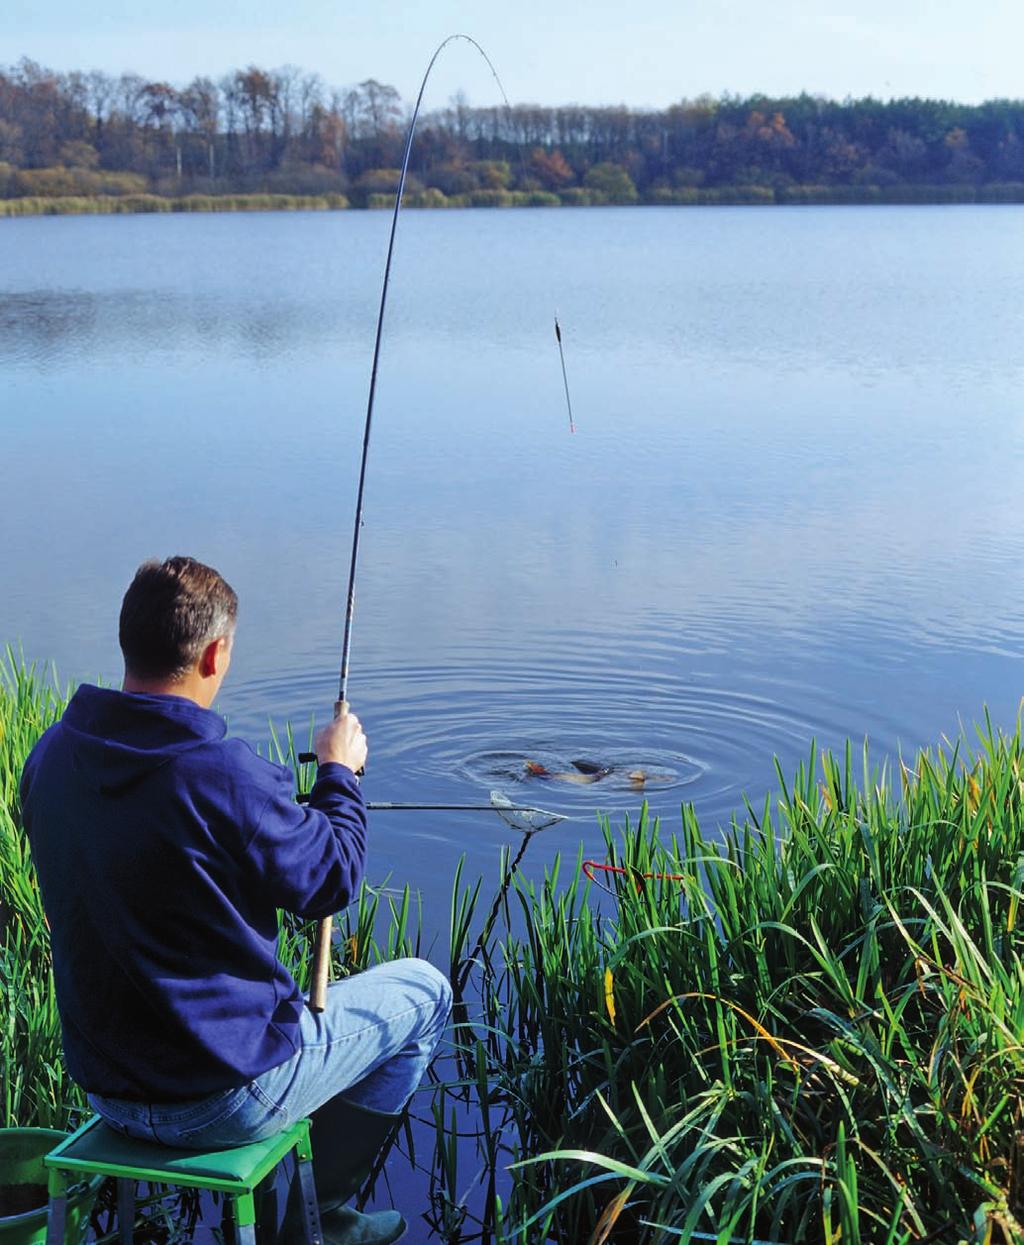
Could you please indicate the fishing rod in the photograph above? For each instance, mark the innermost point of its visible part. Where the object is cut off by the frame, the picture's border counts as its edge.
(322, 945)
(353, 566)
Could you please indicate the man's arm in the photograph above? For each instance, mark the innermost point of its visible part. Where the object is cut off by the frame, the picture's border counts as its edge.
(310, 858)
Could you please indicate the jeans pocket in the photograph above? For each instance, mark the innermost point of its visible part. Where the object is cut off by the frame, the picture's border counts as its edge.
(129, 1119)
(235, 1121)
(116, 1126)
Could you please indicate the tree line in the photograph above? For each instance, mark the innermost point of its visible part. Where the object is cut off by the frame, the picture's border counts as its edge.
(285, 131)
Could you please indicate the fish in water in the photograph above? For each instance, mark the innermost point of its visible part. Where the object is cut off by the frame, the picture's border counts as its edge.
(584, 772)
(591, 767)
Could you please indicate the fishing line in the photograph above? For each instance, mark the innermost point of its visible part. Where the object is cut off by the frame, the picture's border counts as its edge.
(565, 378)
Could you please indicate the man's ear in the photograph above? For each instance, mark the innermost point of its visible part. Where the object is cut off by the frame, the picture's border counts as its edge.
(213, 658)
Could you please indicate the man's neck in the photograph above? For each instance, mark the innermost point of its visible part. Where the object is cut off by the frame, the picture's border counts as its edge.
(187, 688)
(200, 682)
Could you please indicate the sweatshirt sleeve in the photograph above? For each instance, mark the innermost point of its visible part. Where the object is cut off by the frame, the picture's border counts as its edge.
(311, 858)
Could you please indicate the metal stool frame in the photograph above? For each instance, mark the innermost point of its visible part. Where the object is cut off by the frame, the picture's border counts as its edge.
(131, 1162)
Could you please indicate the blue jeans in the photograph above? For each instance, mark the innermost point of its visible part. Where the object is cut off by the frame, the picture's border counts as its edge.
(371, 1045)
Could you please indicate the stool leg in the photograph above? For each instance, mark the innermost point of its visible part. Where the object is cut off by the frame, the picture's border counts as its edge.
(126, 1210)
(245, 1218)
(57, 1209)
(310, 1208)
(314, 1234)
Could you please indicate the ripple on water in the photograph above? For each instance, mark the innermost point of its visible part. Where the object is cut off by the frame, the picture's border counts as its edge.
(697, 729)
(560, 763)
(690, 741)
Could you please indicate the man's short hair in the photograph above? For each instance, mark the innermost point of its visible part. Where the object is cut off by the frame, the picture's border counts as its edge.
(171, 611)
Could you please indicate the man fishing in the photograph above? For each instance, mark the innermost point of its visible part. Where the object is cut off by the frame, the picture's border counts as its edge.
(164, 851)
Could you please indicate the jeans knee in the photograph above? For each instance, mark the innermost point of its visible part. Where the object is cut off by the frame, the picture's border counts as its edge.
(437, 987)
(444, 996)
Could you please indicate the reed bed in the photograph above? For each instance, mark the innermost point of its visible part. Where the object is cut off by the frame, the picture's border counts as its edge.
(804, 1029)
(35, 1090)
(131, 204)
(572, 196)
(808, 1030)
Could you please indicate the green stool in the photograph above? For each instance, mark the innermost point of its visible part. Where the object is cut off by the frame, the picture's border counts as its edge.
(99, 1150)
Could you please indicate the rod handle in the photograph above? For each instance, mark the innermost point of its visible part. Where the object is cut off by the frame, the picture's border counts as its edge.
(321, 965)
(340, 707)
(322, 945)
(310, 758)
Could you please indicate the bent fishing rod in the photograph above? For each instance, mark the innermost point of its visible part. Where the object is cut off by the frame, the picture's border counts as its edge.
(322, 946)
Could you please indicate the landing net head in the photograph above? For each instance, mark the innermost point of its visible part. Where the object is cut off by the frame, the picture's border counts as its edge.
(525, 820)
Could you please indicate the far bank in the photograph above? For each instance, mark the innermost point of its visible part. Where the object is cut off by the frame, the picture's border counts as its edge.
(724, 196)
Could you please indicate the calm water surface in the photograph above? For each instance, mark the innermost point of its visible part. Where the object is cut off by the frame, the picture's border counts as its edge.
(792, 510)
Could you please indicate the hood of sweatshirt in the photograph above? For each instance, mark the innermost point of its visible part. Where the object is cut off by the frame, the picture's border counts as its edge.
(118, 738)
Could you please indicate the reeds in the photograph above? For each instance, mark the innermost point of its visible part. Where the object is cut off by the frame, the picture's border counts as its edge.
(34, 1087)
(811, 1032)
(128, 204)
(815, 1036)
(571, 196)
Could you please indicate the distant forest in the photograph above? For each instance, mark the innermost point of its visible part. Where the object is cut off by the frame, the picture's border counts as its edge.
(285, 132)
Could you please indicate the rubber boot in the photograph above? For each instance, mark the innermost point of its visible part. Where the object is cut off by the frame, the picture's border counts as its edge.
(346, 1139)
(345, 1226)
(339, 1225)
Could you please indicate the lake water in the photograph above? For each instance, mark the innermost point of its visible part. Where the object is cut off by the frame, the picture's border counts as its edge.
(792, 509)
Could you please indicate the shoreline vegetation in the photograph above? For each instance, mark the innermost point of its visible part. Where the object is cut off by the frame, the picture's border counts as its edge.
(258, 138)
(720, 196)
(805, 1028)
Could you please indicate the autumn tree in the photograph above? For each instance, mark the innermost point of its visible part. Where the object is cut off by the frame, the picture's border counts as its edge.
(200, 113)
(550, 168)
(282, 129)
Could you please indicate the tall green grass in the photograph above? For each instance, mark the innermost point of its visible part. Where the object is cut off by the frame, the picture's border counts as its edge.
(34, 1087)
(812, 1032)
(815, 1035)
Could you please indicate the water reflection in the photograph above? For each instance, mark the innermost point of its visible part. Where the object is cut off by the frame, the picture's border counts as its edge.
(38, 326)
(790, 512)
(67, 328)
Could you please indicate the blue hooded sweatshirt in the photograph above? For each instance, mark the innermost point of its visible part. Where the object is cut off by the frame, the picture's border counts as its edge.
(164, 852)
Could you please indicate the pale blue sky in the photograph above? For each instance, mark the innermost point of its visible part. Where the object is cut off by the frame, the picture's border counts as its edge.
(550, 51)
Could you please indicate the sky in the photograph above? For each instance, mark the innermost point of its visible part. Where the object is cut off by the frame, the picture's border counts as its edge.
(549, 51)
